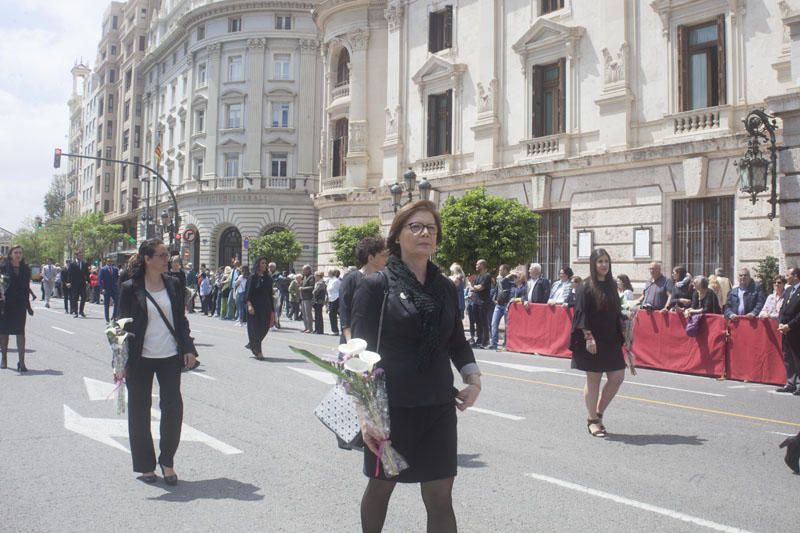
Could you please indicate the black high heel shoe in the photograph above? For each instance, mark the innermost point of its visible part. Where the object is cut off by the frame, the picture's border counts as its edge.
(21, 367)
(169, 480)
(792, 458)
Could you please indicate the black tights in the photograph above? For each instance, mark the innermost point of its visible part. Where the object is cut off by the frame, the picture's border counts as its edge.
(437, 496)
(20, 347)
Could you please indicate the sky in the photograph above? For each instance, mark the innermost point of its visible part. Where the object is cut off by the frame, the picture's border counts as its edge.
(42, 40)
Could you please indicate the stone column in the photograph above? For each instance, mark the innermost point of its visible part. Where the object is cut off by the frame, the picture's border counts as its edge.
(357, 157)
(212, 113)
(187, 134)
(306, 111)
(393, 145)
(253, 114)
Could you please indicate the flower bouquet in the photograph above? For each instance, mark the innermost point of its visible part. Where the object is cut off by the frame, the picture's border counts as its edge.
(355, 368)
(4, 281)
(629, 310)
(117, 337)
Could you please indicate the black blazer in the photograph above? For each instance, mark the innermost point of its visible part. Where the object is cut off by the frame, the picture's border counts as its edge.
(754, 299)
(407, 386)
(133, 304)
(541, 292)
(77, 276)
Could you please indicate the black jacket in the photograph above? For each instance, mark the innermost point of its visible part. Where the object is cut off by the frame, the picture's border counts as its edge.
(133, 304)
(402, 330)
(78, 276)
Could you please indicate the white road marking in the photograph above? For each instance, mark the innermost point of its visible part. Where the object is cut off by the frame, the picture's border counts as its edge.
(319, 375)
(637, 504)
(629, 382)
(201, 375)
(522, 368)
(494, 413)
(784, 394)
(782, 434)
(105, 430)
(63, 330)
(98, 390)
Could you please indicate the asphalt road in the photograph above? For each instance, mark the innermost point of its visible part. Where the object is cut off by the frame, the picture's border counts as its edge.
(684, 453)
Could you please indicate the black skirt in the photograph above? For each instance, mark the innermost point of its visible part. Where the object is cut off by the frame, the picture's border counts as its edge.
(426, 437)
(609, 357)
(12, 321)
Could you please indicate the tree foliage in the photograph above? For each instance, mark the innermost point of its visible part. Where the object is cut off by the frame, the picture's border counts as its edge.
(54, 200)
(51, 241)
(345, 239)
(766, 271)
(93, 236)
(484, 226)
(282, 247)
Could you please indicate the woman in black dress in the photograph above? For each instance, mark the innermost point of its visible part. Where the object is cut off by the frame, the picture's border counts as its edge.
(259, 306)
(597, 339)
(15, 305)
(421, 335)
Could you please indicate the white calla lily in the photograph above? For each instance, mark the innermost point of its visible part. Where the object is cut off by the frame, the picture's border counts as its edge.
(371, 358)
(353, 347)
(356, 365)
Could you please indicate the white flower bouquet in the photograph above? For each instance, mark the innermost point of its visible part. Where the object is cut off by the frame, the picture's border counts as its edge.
(366, 384)
(117, 339)
(629, 310)
(4, 281)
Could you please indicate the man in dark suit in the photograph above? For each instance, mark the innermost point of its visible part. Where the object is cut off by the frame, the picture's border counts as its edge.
(109, 284)
(745, 300)
(538, 287)
(78, 280)
(64, 277)
(789, 328)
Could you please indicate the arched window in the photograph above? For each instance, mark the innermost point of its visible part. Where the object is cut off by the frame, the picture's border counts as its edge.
(339, 151)
(343, 68)
(230, 247)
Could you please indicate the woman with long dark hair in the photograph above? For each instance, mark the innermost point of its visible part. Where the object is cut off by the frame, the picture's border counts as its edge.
(259, 306)
(162, 345)
(422, 334)
(597, 339)
(15, 305)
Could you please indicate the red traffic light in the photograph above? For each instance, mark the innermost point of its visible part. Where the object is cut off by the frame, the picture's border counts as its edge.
(57, 158)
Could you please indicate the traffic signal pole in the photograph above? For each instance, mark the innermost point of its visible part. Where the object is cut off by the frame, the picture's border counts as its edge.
(176, 223)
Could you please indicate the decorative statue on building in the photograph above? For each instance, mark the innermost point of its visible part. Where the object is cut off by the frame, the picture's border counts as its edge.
(391, 120)
(615, 66)
(486, 96)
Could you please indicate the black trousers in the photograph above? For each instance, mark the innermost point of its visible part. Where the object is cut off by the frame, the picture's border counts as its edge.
(67, 299)
(333, 314)
(319, 323)
(790, 361)
(76, 292)
(140, 389)
(482, 323)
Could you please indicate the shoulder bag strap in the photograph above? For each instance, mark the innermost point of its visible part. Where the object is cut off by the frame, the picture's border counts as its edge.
(383, 307)
(163, 317)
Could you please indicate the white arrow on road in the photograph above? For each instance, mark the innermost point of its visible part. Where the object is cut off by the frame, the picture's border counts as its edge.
(523, 368)
(105, 430)
(319, 375)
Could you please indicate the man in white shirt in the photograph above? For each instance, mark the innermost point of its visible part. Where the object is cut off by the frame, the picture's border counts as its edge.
(333, 283)
(48, 281)
(538, 287)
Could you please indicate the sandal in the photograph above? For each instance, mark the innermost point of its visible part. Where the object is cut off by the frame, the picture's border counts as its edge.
(600, 432)
(600, 418)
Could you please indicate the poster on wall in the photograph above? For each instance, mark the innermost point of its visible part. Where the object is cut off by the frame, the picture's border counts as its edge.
(641, 243)
(585, 239)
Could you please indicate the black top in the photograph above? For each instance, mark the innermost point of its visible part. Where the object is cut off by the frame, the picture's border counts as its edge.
(320, 292)
(686, 291)
(709, 303)
(78, 273)
(604, 322)
(346, 292)
(180, 275)
(18, 284)
(407, 386)
(307, 287)
(259, 293)
(485, 281)
(133, 304)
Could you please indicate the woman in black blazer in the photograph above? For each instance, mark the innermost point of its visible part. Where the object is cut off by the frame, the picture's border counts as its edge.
(421, 335)
(15, 305)
(162, 345)
(259, 306)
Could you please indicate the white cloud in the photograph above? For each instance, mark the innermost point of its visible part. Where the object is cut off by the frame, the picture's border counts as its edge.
(41, 41)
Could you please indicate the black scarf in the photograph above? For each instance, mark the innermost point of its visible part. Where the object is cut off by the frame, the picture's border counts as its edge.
(427, 300)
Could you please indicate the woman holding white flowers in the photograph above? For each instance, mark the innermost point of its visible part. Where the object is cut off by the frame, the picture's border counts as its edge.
(421, 334)
(161, 346)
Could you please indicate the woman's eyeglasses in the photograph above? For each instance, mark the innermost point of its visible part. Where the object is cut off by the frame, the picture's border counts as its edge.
(162, 255)
(417, 228)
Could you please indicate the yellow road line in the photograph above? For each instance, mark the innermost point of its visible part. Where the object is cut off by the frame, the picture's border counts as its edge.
(654, 402)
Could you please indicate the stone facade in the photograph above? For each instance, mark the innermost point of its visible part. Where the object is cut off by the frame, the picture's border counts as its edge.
(5, 241)
(629, 154)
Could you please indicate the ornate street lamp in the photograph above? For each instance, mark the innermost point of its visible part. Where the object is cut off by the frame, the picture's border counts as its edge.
(753, 168)
(410, 183)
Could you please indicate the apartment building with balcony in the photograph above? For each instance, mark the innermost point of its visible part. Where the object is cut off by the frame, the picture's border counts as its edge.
(80, 81)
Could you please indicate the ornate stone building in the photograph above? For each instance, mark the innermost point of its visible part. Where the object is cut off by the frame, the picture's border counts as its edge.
(231, 96)
(618, 121)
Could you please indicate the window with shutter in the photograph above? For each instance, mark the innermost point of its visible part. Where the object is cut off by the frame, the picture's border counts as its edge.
(339, 148)
(440, 30)
(701, 65)
(440, 123)
(550, 5)
(549, 99)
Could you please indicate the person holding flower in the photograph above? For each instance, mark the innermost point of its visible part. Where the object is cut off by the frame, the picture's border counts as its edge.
(421, 334)
(596, 339)
(161, 346)
(15, 276)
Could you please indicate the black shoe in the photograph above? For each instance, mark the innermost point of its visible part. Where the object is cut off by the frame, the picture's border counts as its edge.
(149, 478)
(786, 388)
(83, 315)
(21, 367)
(74, 316)
(169, 480)
(792, 458)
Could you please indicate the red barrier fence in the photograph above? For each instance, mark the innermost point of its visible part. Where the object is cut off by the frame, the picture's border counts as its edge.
(752, 351)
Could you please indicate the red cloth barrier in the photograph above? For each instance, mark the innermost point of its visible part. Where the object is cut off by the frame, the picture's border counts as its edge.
(754, 351)
(660, 341)
(539, 329)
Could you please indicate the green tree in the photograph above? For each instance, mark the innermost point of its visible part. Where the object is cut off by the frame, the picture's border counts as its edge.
(92, 235)
(32, 242)
(282, 247)
(766, 271)
(345, 239)
(484, 226)
(54, 200)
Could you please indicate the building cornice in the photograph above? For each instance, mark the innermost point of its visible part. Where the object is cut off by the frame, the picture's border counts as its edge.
(327, 8)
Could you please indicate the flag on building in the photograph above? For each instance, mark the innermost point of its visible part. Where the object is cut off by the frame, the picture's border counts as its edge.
(157, 153)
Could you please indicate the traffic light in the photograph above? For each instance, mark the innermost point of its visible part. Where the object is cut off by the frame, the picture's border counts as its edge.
(38, 222)
(57, 158)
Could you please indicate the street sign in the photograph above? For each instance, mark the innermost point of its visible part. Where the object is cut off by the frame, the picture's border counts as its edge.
(246, 243)
(189, 235)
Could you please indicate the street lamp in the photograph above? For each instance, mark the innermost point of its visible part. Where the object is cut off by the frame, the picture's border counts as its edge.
(753, 168)
(410, 179)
